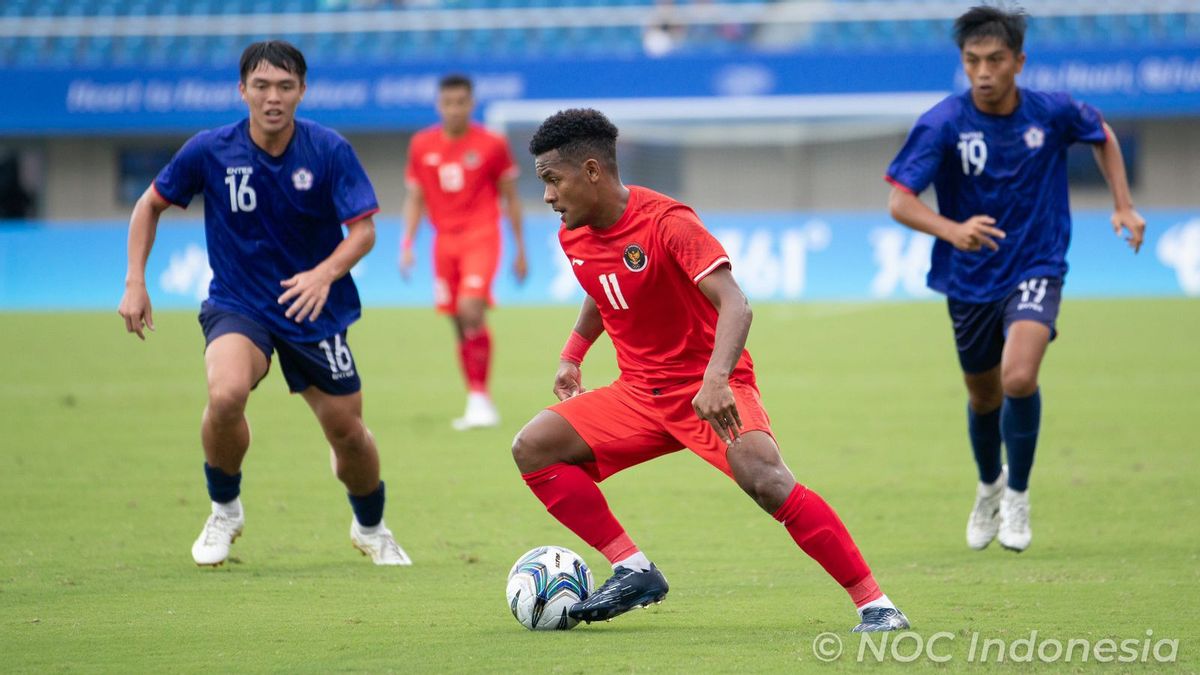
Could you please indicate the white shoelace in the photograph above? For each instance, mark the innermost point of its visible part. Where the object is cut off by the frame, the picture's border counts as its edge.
(217, 526)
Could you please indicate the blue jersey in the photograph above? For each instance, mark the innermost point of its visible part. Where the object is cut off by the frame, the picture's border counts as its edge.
(1010, 167)
(268, 218)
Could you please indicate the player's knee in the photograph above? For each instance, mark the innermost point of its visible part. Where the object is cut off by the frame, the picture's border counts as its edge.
(1020, 382)
(227, 402)
(764, 477)
(345, 433)
(769, 488)
(530, 449)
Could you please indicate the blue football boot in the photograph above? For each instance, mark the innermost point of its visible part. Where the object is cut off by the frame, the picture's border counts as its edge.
(625, 590)
(881, 619)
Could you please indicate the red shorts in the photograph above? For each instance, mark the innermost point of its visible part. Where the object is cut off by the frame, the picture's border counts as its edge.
(625, 426)
(464, 266)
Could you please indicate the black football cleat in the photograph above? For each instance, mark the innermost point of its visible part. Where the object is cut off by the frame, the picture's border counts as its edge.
(626, 589)
(881, 619)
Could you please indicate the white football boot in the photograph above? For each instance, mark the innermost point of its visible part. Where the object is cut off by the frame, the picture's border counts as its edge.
(378, 543)
(480, 413)
(221, 529)
(1015, 533)
(984, 521)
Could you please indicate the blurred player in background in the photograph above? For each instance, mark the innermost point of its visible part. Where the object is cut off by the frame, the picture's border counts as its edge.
(662, 288)
(460, 171)
(277, 191)
(996, 155)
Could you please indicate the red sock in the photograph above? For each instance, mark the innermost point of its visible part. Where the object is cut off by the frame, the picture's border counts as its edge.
(820, 533)
(475, 355)
(571, 496)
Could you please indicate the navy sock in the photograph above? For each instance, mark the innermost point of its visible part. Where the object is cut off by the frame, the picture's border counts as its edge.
(984, 430)
(222, 488)
(1020, 421)
(368, 509)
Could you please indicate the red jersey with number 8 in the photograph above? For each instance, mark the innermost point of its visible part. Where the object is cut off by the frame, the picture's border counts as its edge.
(643, 274)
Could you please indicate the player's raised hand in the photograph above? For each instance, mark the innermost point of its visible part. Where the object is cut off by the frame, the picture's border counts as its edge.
(407, 260)
(714, 403)
(568, 381)
(135, 309)
(306, 292)
(1132, 222)
(975, 233)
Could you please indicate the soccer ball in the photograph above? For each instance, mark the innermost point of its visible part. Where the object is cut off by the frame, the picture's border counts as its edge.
(543, 584)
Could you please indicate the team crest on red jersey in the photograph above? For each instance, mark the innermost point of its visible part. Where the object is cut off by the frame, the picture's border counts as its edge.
(635, 257)
(471, 159)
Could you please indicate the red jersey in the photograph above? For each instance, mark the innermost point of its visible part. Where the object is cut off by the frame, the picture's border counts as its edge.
(643, 274)
(460, 177)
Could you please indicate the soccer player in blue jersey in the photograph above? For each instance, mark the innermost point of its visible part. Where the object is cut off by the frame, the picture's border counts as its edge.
(277, 191)
(996, 155)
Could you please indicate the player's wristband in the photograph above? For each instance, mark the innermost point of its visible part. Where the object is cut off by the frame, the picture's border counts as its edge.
(576, 348)
(407, 244)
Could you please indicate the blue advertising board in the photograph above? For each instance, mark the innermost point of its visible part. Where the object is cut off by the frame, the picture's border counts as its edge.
(784, 257)
(1133, 82)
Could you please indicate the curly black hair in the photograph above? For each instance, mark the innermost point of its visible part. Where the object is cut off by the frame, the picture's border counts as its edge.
(578, 134)
(986, 21)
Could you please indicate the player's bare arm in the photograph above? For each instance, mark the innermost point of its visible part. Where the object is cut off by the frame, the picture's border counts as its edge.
(1112, 165)
(714, 403)
(143, 225)
(568, 381)
(307, 291)
(973, 234)
(414, 204)
(512, 209)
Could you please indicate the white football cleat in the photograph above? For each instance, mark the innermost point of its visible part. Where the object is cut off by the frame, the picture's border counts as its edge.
(984, 521)
(379, 544)
(480, 413)
(1015, 533)
(219, 533)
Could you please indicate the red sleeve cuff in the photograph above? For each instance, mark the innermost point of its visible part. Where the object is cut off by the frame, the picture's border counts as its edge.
(361, 216)
(898, 185)
(160, 196)
(716, 264)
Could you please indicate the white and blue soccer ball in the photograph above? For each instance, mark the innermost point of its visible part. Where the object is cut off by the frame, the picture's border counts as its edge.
(544, 583)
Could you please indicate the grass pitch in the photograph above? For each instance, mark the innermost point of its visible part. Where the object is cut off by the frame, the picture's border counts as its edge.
(101, 495)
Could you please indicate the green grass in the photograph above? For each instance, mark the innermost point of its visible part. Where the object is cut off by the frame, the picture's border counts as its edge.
(101, 495)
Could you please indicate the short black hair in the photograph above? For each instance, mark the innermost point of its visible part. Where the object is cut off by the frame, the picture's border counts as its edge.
(987, 21)
(278, 53)
(579, 134)
(455, 80)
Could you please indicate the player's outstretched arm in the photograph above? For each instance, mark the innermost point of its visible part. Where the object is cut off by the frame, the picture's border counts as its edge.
(1112, 165)
(143, 225)
(414, 203)
(568, 381)
(512, 208)
(307, 291)
(714, 402)
(973, 234)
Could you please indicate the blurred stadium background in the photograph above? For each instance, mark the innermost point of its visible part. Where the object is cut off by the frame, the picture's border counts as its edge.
(791, 108)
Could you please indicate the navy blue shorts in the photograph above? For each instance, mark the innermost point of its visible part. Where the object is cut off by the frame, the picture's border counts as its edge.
(980, 328)
(327, 365)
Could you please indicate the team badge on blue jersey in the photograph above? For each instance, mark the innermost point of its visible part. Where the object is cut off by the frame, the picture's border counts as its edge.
(302, 179)
(1034, 137)
(635, 258)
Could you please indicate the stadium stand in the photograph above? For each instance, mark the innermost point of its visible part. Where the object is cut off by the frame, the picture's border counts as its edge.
(78, 37)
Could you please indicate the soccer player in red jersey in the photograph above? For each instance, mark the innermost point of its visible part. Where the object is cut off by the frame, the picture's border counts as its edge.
(662, 287)
(459, 171)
